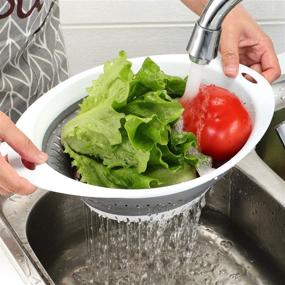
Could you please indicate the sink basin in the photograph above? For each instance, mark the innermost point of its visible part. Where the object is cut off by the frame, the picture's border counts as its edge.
(270, 149)
(240, 237)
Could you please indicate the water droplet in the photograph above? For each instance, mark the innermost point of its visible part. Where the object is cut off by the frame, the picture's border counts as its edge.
(226, 244)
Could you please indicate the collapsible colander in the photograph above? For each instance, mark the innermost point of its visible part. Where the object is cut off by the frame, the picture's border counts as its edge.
(43, 120)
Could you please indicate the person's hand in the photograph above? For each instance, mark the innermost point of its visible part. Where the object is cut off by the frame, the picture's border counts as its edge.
(243, 41)
(10, 181)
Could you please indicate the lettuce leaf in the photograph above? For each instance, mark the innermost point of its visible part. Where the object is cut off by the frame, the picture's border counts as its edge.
(123, 137)
(112, 86)
(151, 78)
(94, 172)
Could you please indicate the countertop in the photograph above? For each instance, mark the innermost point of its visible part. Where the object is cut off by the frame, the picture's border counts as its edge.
(8, 272)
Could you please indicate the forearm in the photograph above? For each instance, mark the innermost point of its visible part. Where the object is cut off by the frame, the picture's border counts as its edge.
(197, 6)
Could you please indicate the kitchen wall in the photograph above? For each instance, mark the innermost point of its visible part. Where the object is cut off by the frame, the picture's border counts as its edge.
(95, 30)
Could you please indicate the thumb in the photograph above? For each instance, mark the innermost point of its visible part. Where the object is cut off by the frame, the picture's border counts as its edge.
(19, 142)
(230, 52)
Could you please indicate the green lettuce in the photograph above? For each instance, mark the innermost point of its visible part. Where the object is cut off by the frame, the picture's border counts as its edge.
(123, 135)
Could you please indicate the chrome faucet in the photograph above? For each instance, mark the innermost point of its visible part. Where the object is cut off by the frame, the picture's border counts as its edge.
(204, 42)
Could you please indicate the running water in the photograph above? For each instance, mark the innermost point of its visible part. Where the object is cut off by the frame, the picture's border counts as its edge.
(153, 252)
(178, 251)
(194, 81)
(193, 85)
(146, 252)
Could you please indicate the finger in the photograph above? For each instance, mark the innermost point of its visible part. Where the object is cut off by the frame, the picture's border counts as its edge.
(29, 164)
(257, 67)
(273, 72)
(10, 181)
(245, 60)
(4, 193)
(230, 52)
(270, 65)
(19, 142)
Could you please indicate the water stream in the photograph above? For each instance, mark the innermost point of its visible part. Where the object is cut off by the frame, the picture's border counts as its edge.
(194, 80)
(177, 251)
(156, 252)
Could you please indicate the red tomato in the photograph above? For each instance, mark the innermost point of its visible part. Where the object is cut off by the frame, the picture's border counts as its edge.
(219, 120)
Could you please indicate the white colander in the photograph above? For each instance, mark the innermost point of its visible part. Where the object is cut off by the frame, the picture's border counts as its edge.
(42, 122)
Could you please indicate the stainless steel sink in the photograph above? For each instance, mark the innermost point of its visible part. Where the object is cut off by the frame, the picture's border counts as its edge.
(270, 149)
(241, 236)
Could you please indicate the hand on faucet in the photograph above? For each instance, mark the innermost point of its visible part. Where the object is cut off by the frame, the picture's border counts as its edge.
(243, 41)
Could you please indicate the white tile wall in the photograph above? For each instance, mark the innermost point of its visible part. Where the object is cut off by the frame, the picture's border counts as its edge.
(95, 30)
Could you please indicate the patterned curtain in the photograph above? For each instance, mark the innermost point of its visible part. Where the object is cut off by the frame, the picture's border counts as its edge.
(32, 57)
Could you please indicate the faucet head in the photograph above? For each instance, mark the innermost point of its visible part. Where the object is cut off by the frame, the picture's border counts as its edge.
(203, 44)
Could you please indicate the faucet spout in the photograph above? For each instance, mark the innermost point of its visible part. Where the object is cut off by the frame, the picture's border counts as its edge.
(204, 41)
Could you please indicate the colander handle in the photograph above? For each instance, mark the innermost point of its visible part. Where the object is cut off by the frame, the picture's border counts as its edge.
(46, 178)
(260, 80)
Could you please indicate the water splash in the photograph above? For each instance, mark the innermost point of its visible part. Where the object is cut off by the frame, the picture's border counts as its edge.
(156, 252)
(175, 252)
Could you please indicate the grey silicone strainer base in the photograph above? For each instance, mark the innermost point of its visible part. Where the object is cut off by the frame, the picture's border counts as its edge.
(60, 161)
